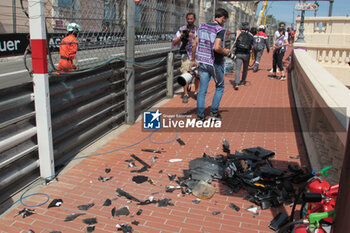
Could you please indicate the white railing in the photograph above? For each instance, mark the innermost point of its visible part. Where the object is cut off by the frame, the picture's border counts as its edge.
(323, 105)
(327, 40)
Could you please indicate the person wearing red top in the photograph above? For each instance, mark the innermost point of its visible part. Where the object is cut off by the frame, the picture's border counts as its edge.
(68, 50)
(260, 42)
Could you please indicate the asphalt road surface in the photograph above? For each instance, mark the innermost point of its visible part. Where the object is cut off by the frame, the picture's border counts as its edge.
(13, 71)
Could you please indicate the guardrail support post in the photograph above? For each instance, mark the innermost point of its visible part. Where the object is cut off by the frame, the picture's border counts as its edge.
(130, 56)
(342, 206)
(170, 76)
(41, 87)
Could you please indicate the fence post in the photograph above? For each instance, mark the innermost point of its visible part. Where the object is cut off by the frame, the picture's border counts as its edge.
(170, 75)
(41, 87)
(130, 56)
(342, 206)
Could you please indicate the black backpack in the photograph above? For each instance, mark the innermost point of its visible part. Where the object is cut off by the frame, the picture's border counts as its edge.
(243, 41)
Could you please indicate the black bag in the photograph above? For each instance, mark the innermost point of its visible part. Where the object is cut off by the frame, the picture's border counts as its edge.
(243, 41)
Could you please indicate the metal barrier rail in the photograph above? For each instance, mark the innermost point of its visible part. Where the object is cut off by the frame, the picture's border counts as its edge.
(84, 107)
(18, 147)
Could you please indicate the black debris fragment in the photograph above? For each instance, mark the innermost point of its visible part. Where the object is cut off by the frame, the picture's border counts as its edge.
(233, 206)
(139, 212)
(104, 179)
(226, 146)
(160, 171)
(113, 211)
(152, 150)
(215, 212)
(55, 232)
(25, 212)
(90, 228)
(73, 216)
(124, 211)
(278, 221)
(171, 177)
(151, 181)
(143, 169)
(31, 231)
(107, 202)
(55, 203)
(147, 202)
(122, 193)
(139, 179)
(170, 189)
(165, 202)
(129, 160)
(196, 201)
(136, 223)
(86, 207)
(179, 140)
(107, 170)
(90, 221)
(140, 161)
(154, 159)
(125, 228)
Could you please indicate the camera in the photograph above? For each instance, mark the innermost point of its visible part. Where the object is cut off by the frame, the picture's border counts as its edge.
(185, 78)
(232, 56)
(186, 33)
(184, 41)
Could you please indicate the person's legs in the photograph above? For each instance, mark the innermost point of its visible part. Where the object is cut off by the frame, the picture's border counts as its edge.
(257, 59)
(280, 65)
(185, 67)
(220, 86)
(245, 68)
(274, 62)
(239, 62)
(205, 72)
(196, 86)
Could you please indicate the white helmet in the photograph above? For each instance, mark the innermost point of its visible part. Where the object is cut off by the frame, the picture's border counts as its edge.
(73, 27)
(261, 27)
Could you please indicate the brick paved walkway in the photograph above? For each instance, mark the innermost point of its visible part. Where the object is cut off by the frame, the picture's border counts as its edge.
(80, 185)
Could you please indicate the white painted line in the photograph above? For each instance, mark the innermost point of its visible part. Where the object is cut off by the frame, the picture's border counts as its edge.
(156, 49)
(88, 59)
(117, 55)
(11, 73)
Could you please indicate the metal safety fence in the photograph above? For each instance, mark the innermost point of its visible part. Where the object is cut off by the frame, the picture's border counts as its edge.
(84, 107)
(103, 28)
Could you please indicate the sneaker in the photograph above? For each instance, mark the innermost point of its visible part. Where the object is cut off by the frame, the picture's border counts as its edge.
(195, 95)
(282, 78)
(200, 118)
(235, 86)
(272, 76)
(271, 71)
(242, 83)
(215, 116)
(185, 99)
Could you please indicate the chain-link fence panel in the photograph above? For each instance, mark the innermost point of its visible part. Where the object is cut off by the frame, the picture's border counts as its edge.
(102, 35)
(156, 22)
(102, 30)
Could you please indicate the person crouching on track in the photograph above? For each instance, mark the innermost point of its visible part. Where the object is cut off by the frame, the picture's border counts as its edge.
(68, 50)
(186, 36)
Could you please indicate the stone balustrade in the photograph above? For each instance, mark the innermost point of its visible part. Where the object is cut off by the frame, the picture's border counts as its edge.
(327, 40)
(323, 105)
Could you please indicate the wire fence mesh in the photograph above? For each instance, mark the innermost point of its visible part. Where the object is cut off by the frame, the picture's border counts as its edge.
(103, 26)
